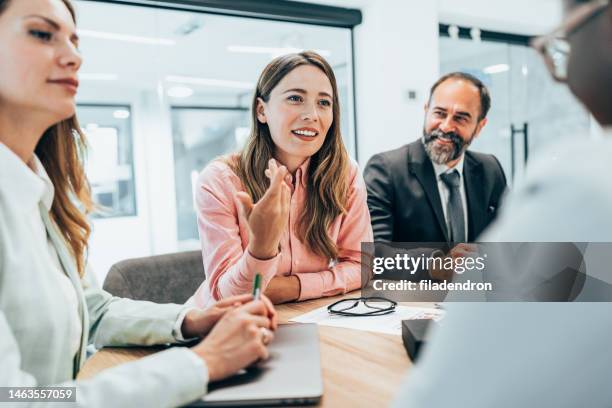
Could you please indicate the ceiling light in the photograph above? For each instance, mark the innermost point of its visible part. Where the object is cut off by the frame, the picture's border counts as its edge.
(525, 70)
(275, 51)
(121, 114)
(180, 92)
(475, 33)
(209, 82)
(496, 69)
(125, 37)
(97, 77)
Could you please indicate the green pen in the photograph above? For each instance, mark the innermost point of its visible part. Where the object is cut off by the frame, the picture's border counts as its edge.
(257, 287)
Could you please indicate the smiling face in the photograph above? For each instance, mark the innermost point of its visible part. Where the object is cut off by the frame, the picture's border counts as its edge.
(298, 114)
(40, 60)
(451, 120)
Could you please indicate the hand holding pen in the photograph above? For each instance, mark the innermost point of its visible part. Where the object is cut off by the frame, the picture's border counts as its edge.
(241, 335)
(266, 335)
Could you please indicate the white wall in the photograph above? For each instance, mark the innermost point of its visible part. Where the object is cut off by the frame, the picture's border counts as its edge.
(396, 51)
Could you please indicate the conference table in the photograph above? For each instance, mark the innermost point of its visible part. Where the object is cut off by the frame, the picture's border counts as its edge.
(360, 369)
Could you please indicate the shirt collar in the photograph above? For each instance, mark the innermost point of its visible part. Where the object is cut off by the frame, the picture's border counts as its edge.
(301, 172)
(443, 168)
(28, 185)
(49, 190)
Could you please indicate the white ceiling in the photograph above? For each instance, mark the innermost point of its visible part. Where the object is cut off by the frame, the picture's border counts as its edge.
(202, 53)
(529, 17)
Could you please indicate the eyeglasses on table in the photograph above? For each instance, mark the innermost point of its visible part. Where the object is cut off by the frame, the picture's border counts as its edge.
(362, 306)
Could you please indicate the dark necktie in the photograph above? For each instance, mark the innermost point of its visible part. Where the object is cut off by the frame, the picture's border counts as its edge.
(454, 207)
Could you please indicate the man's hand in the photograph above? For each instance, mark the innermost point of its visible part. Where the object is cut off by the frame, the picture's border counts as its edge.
(282, 289)
(462, 250)
(237, 340)
(198, 323)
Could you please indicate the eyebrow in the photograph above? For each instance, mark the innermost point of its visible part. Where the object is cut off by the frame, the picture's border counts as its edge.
(303, 91)
(462, 113)
(74, 37)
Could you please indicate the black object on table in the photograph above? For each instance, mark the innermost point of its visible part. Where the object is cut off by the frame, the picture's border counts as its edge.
(415, 335)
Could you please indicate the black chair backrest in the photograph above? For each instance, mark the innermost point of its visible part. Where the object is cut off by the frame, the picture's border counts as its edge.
(170, 278)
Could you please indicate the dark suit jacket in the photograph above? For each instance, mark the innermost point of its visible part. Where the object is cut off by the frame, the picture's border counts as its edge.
(404, 201)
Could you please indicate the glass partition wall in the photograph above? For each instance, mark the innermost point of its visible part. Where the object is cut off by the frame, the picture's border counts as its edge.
(164, 91)
(529, 111)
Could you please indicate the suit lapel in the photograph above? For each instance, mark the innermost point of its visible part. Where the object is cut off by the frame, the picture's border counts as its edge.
(475, 194)
(423, 170)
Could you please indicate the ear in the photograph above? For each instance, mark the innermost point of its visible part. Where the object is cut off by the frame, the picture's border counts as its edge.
(260, 110)
(426, 107)
(479, 127)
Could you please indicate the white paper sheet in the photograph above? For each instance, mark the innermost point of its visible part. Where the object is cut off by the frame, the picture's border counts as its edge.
(388, 324)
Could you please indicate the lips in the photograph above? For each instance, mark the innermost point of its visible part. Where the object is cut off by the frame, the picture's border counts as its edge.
(443, 140)
(306, 134)
(69, 83)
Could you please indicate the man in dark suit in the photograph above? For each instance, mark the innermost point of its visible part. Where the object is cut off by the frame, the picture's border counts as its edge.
(433, 190)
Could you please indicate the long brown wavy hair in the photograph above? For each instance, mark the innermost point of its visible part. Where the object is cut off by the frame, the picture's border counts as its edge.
(61, 151)
(327, 186)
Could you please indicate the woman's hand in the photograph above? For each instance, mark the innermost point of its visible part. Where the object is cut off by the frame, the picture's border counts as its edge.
(237, 340)
(282, 289)
(198, 323)
(268, 218)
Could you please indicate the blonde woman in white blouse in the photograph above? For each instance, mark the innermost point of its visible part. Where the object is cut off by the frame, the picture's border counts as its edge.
(48, 314)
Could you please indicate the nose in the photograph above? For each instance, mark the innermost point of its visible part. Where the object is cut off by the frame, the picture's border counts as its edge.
(447, 125)
(309, 113)
(70, 57)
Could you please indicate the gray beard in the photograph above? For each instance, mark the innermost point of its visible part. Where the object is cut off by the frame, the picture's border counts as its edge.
(442, 154)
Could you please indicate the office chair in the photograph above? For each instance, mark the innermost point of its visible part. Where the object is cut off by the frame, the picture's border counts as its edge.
(170, 278)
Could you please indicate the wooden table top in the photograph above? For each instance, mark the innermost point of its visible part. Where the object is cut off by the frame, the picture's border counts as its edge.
(360, 369)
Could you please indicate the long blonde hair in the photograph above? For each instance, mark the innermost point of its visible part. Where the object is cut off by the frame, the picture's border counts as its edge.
(327, 186)
(61, 150)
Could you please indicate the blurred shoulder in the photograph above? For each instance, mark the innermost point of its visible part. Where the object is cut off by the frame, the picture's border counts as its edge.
(564, 196)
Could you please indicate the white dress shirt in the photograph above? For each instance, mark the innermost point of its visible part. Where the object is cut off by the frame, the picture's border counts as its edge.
(444, 191)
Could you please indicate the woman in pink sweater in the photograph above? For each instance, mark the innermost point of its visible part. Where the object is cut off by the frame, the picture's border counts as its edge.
(304, 232)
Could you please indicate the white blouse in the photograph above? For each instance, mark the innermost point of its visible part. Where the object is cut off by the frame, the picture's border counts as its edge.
(68, 290)
(38, 314)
